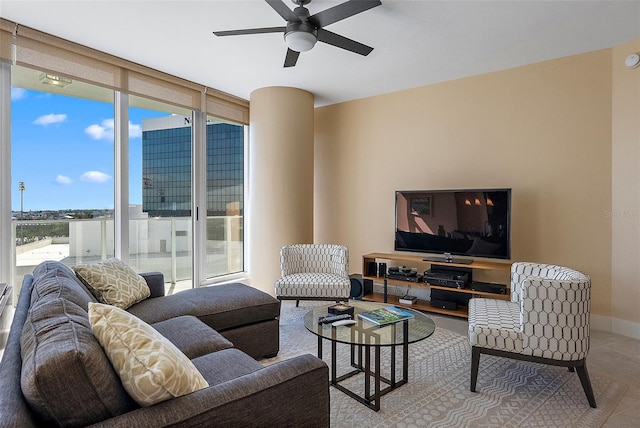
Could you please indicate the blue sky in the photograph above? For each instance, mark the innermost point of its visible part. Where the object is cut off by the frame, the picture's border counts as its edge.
(62, 149)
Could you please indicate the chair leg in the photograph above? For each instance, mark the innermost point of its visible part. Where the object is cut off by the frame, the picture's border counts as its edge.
(475, 362)
(297, 303)
(586, 383)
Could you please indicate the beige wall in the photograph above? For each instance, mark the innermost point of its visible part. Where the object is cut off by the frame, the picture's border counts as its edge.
(543, 130)
(280, 178)
(625, 212)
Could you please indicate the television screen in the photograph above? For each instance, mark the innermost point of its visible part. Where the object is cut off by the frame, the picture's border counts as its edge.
(454, 222)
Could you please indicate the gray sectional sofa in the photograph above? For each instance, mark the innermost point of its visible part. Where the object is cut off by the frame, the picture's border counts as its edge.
(55, 373)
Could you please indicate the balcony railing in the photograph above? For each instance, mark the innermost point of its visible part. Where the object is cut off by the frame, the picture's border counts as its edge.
(155, 244)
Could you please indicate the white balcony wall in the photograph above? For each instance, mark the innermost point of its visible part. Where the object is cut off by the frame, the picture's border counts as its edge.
(88, 238)
(91, 239)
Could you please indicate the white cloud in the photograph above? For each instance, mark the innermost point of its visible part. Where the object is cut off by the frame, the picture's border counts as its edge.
(95, 177)
(135, 131)
(49, 119)
(104, 130)
(18, 94)
(62, 179)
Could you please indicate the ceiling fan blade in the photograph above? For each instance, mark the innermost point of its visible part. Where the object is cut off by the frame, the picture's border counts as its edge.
(343, 42)
(282, 9)
(291, 58)
(342, 11)
(250, 31)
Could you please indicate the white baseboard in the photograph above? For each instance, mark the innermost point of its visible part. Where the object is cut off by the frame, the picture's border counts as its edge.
(625, 328)
(615, 325)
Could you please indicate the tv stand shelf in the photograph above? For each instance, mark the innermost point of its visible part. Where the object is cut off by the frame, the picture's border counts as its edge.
(419, 260)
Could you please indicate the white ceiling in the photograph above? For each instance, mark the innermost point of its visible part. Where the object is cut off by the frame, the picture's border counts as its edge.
(415, 42)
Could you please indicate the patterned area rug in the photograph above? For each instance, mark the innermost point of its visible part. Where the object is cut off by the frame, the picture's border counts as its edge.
(510, 393)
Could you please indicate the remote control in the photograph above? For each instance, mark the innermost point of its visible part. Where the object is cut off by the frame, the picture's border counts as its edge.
(343, 322)
(332, 318)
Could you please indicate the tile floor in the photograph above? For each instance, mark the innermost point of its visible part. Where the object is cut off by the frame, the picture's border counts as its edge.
(610, 354)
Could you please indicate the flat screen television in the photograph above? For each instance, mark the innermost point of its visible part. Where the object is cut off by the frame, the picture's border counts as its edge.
(472, 223)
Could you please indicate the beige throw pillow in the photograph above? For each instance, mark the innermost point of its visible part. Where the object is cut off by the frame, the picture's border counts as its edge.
(150, 367)
(113, 282)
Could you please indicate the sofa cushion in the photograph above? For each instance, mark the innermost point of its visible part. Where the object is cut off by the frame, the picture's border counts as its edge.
(313, 284)
(57, 283)
(221, 307)
(495, 324)
(192, 336)
(151, 368)
(114, 282)
(225, 365)
(66, 377)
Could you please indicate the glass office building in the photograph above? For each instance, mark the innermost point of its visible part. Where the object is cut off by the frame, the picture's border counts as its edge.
(166, 167)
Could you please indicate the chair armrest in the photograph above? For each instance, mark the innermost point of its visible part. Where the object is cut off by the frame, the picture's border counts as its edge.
(340, 261)
(293, 392)
(288, 260)
(521, 271)
(155, 281)
(554, 318)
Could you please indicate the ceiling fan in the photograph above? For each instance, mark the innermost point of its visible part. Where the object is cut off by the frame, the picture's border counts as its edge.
(303, 30)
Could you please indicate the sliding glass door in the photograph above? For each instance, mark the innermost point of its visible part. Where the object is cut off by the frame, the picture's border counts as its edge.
(225, 150)
(160, 177)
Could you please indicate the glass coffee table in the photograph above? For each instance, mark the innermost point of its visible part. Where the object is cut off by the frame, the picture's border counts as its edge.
(365, 337)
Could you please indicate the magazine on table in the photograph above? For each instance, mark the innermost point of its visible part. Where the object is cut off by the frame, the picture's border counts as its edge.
(386, 315)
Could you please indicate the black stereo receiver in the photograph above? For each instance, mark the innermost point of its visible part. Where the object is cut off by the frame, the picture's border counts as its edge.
(410, 278)
(403, 274)
(446, 279)
(489, 287)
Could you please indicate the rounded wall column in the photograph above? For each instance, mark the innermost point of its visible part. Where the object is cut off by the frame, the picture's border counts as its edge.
(280, 207)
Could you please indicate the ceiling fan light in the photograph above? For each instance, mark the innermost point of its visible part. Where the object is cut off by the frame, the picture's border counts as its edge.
(300, 41)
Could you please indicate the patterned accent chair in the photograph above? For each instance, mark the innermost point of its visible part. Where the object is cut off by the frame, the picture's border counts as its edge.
(313, 272)
(546, 321)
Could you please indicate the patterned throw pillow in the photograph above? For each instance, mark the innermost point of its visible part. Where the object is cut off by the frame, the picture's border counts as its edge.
(151, 368)
(113, 282)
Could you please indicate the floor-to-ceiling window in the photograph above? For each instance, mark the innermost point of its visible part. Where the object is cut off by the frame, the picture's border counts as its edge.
(62, 168)
(96, 173)
(63, 188)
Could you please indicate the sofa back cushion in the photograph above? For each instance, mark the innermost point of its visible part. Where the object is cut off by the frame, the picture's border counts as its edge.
(57, 283)
(49, 265)
(66, 376)
(314, 258)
